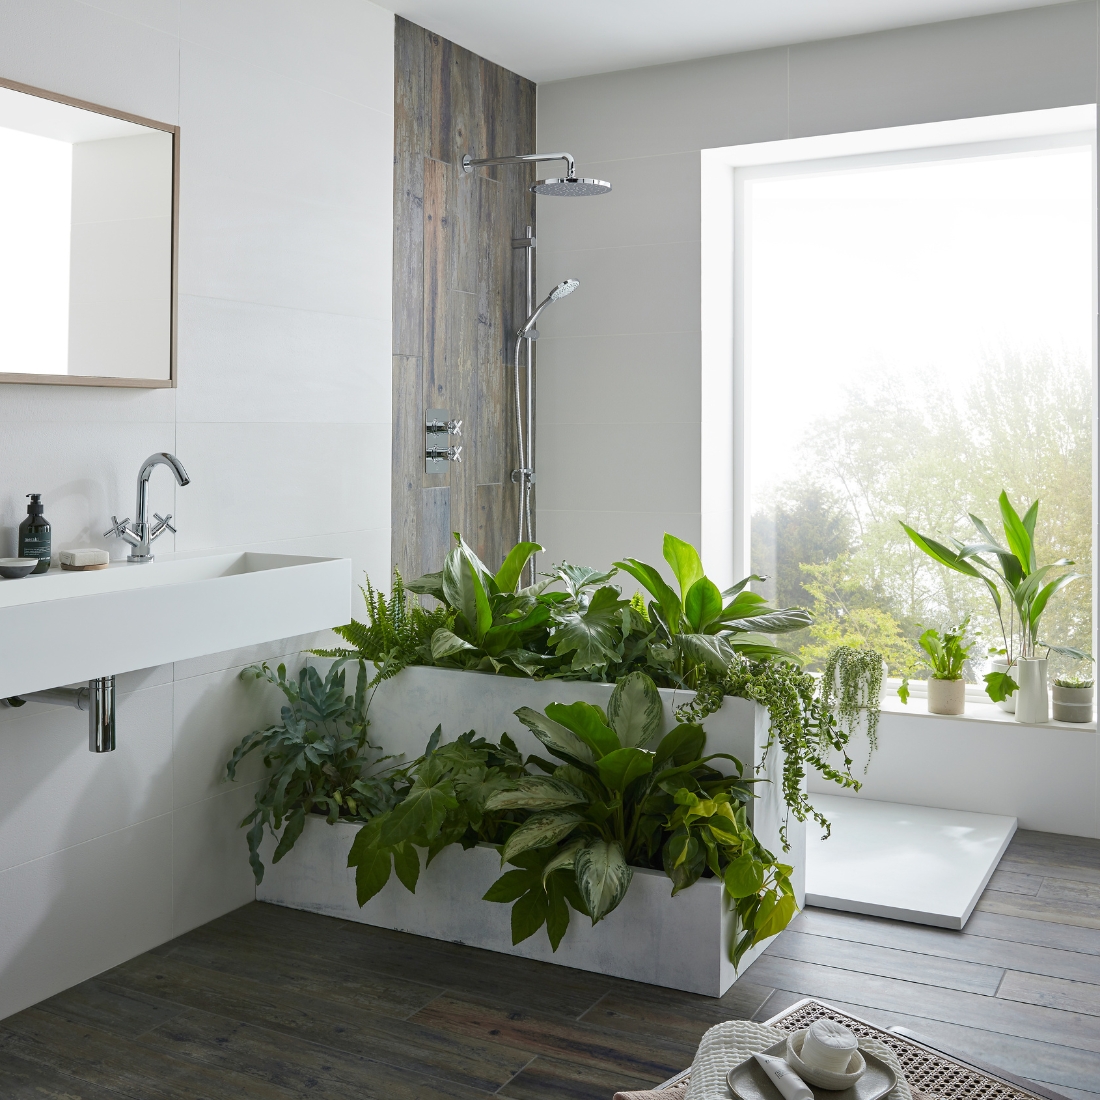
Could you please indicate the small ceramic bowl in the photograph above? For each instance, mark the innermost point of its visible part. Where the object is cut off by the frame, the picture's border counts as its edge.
(822, 1077)
(14, 568)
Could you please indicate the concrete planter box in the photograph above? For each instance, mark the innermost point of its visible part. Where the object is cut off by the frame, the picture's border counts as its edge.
(680, 942)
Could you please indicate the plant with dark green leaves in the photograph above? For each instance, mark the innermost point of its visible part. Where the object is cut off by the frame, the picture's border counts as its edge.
(440, 800)
(319, 757)
(1014, 568)
(947, 652)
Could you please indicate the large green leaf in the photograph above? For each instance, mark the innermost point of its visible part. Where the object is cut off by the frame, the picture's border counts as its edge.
(684, 561)
(431, 584)
(420, 814)
(680, 746)
(539, 831)
(620, 768)
(406, 862)
(702, 604)
(562, 860)
(536, 792)
(529, 913)
(1044, 594)
(591, 635)
(635, 711)
(508, 574)
(587, 722)
(781, 914)
(938, 552)
(562, 742)
(603, 876)
(709, 650)
(465, 593)
(1016, 534)
(654, 583)
(741, 585)
(782, 621)
(446, 644)
(744, 876)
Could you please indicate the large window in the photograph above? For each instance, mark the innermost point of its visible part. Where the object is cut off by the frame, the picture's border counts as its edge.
(917, 335)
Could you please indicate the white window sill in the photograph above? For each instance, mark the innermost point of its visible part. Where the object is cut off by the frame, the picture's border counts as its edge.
(917, 708)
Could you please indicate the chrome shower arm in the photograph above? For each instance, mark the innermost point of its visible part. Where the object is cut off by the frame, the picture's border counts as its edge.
(469, 164)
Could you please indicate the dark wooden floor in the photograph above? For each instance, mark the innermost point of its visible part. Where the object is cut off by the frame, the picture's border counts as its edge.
(269, 1003)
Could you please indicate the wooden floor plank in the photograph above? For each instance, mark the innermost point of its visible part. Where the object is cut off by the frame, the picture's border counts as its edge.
(339, 1025)
(1068, 889)
(129, 1013)
(1041, 933)
(1013, 882)
(547, 1078)
(947, 1005)
(1038, 989)
(1083, 914)
(889, 962)
(578, 1041)
(948, 944)
(23, 1079)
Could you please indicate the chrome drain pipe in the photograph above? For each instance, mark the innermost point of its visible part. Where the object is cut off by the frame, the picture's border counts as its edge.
(98, 699)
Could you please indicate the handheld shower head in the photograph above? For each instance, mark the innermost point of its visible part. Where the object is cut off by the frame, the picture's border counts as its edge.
(562, 290)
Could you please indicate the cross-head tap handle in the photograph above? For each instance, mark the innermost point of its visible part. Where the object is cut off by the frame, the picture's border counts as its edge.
(117, 528)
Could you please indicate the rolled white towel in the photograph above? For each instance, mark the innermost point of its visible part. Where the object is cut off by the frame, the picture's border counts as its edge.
(829, 1046)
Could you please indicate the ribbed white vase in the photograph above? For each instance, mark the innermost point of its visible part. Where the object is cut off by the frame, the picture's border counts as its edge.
(1033, 702)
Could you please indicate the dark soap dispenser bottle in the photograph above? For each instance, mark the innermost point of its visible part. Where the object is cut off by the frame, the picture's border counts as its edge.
(34, 535)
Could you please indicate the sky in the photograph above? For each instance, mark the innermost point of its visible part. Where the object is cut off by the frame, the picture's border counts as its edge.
(919, 269)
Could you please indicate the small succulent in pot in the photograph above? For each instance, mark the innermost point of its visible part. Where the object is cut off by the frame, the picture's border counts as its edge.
(1073, 698)
(947, 656)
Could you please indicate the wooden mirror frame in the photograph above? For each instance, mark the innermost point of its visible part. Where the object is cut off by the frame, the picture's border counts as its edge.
(98, 380)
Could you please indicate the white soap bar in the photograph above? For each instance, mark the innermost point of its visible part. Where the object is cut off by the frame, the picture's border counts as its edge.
(784, 1078)
(83, 556)
(829, 1046)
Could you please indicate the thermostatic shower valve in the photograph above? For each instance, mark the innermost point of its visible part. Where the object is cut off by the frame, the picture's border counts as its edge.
(438, 429)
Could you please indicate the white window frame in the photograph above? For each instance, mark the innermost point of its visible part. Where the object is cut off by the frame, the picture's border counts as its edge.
(725, 471)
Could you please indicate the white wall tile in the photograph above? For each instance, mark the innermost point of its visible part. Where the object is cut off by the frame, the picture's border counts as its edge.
(261, 129)
(628, 378)
(1019, 61)
(55, 793)
(241, 362)
(59, 405)
(342, 46)
(633, 288)
(280, 481)
(164, 15)
(254, 245)
(75, 913)
(210, 870)
(92, 54)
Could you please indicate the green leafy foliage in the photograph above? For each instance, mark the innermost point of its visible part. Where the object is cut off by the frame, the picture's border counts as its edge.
(851, 686)
(947, 652)
(1011, 566)
(318, 756)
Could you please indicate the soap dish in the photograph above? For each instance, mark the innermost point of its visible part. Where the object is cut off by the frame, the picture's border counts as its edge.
(748, 1081)
(84, 557)
(14, 568)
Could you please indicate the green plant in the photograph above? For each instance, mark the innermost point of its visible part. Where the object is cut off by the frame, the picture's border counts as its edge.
(947, 652)
(1074, 682)
(1014, 568)
(575, 833)
(318, 756)
(851, 686)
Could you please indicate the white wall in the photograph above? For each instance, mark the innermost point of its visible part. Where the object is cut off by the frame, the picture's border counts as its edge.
(621, 447)
(282, 418)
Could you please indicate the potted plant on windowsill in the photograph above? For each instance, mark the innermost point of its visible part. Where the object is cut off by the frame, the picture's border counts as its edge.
(947, 654)
(1073, 698)
(852, 683)
(1015, 569)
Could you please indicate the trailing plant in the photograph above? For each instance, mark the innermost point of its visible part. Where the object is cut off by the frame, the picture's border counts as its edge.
(1014, 568)
(947, 652)
(319, 757)
(574, 833)
(851, 686)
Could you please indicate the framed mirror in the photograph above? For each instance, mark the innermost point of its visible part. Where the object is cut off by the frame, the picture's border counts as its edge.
(88, 242)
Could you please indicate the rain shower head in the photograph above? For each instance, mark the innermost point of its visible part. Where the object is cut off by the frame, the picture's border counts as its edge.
(562, 290)
(571, 187)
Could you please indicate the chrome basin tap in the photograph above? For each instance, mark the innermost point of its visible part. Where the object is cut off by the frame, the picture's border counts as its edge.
(141, 534)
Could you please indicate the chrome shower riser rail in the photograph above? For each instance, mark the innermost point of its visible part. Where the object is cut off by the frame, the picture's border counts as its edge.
(98, 699)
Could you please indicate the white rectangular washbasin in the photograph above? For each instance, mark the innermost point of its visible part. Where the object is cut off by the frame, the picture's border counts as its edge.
(65, 627)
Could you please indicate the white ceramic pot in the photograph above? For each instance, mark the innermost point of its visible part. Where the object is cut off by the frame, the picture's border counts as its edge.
(946, 696)
(1073, 704)
(998, 664)
(1033, 704)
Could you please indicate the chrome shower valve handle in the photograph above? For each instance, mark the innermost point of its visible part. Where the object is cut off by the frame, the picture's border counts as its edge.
(438, 454)
(451, 427)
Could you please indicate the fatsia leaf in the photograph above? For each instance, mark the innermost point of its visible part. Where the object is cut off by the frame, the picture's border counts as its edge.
(510, 885)
(536, 792)
(372, 872)
(684, 561)
(603, 876)
(587, 722)
(507, 576)
(529, 913)
(562, 742)
(539, 831)
(591, 635)
(702, 604)
(999, 685)
(634, 710)
(421, 813)
(620, 768)
(557, 911)
(406, 862)
(446, 644)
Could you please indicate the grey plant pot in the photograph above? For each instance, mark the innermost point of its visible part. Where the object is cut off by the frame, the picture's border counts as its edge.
(946, 696)
(1073, 704)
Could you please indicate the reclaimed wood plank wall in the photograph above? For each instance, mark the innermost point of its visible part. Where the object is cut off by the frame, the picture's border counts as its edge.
(458, 293)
